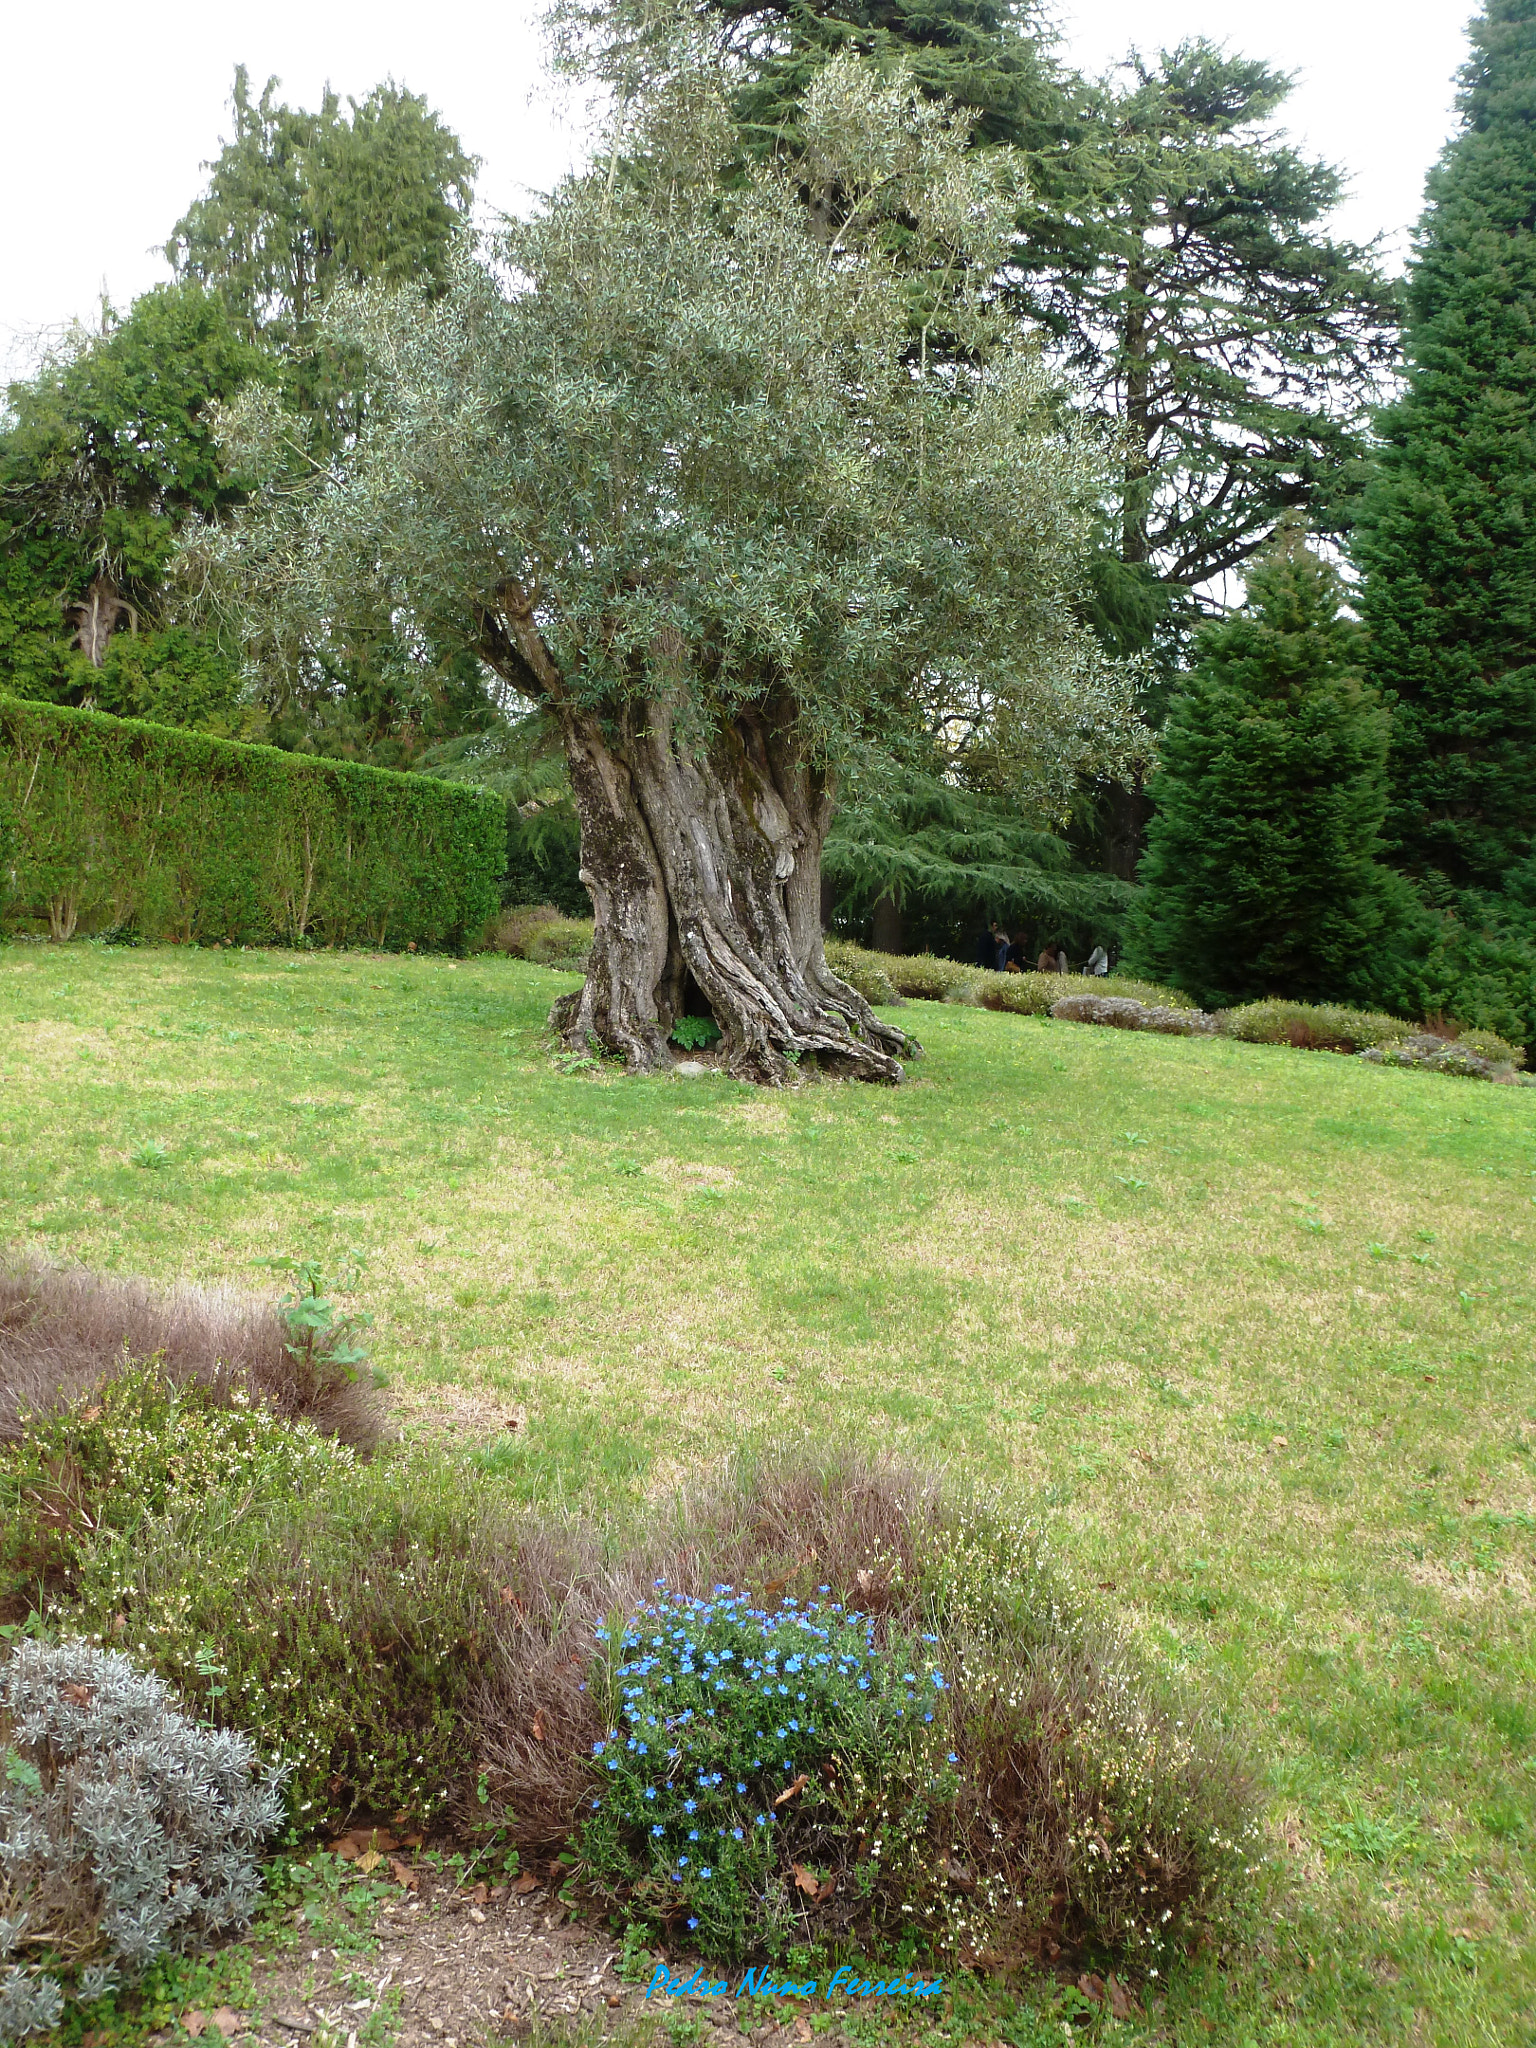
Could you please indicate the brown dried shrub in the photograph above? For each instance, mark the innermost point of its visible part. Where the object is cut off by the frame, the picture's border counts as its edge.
(63, 1331)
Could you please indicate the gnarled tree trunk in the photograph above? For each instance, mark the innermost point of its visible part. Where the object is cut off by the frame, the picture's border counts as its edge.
(703, 861)
(97, 617)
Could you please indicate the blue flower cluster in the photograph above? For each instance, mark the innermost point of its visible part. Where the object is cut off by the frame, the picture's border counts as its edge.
(728, 1722)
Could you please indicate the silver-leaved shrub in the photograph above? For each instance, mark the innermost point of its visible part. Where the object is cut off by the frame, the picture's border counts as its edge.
(126, 1829)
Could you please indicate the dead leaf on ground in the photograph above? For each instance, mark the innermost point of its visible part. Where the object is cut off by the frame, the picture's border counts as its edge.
(357, 1843)
(403, 1875)
(1091, 1987)
(194, 2022)
(802, 2027)
(794, 1786)
(480, 1894)
(817, 1889)
(525, 1884)
(369, 1862)
(1121, 2003)
(538, 1726)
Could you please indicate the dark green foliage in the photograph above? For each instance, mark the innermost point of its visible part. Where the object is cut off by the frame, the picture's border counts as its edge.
(109, 452)
(1171, 245)
(985, 55)
(520, 759)
(947, 860)
(1473, 959)
(299, 204)
(110, 456)
(180, 836)
(1261, 875)
(1447, 535)
(1179, 262)
(174, 676)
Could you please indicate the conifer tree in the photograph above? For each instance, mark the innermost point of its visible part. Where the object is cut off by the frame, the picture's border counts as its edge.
(1447, 539)
(1260, 876)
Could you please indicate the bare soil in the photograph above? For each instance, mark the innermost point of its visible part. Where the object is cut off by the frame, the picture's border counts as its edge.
(456, 1969)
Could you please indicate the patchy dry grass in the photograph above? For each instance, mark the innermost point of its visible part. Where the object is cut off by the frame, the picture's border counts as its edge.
(1252, 1326)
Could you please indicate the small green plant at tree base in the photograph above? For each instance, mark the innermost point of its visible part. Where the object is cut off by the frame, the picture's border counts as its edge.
(693, 1032)
(322, 1339)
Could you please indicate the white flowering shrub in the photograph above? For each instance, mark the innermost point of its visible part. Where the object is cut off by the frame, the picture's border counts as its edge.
(126, 1829)
(138, 1446)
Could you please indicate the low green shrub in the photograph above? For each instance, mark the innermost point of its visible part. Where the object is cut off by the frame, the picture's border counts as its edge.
(923, 1735)
(1059, 1793)
(1312, 1027)
(1487, 1045)
(1333, 1027)
(344, 1629)
(542, 934)
(138, 1448)
(736, 1767)
(861, 970)
(1032, 995)
(131, 827)
(932, 979)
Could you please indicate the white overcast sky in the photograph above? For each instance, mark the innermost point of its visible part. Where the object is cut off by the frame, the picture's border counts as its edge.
(105, 120)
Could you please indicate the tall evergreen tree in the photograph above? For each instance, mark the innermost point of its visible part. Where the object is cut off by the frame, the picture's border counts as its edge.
(1193, 288)
(299, 203)
(1447, 537)
(1260, 876)
(108, 453)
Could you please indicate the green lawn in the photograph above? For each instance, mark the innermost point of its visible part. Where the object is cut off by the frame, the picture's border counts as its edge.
(1252, 1329)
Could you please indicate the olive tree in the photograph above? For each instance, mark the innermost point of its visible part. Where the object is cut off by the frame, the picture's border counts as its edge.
(677, 460)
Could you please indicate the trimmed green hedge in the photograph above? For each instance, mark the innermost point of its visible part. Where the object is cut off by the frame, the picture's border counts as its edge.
(113, 824)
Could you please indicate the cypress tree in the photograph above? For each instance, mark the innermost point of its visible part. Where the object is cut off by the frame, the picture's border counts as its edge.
(1260, 876)
(1447, 536)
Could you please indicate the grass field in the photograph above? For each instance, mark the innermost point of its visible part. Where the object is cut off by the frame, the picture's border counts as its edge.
(1250, 1328)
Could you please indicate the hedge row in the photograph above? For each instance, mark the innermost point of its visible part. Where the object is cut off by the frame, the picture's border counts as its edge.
(114, 824)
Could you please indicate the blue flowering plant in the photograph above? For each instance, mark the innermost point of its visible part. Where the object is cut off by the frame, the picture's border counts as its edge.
(738, 1803)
